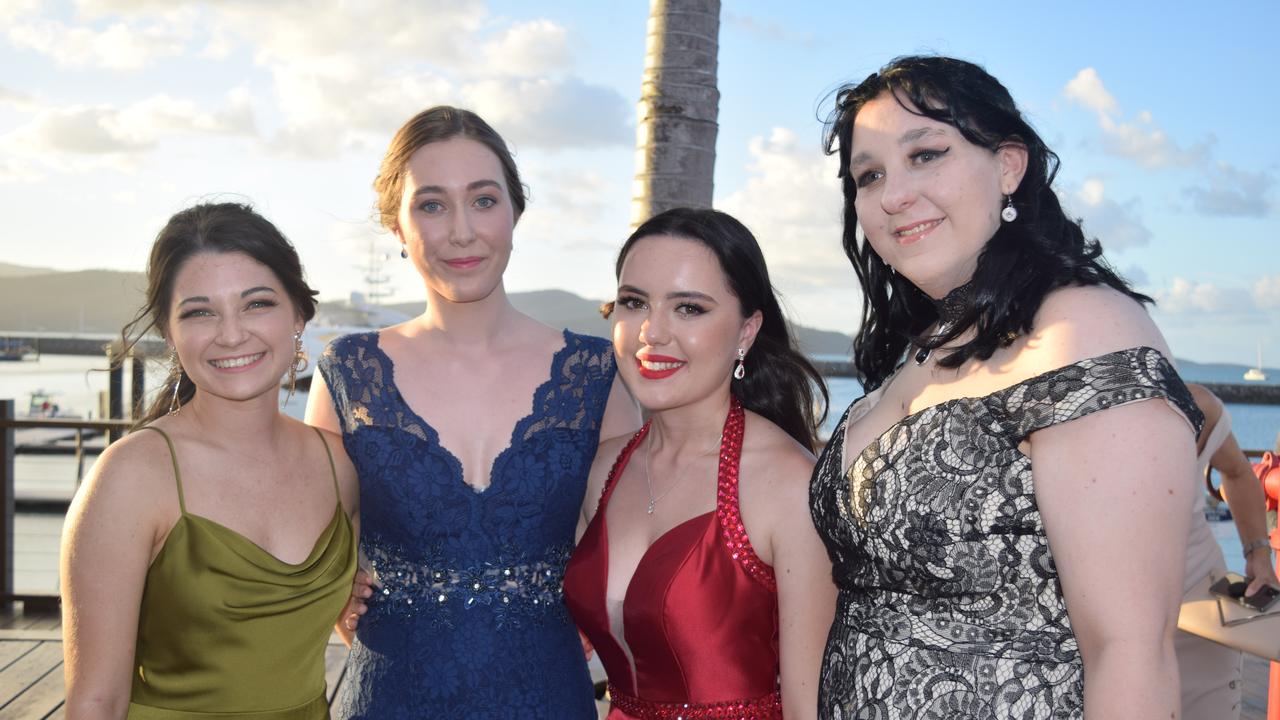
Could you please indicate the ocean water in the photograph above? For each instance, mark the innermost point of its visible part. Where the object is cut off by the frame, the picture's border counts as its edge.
(76, 383)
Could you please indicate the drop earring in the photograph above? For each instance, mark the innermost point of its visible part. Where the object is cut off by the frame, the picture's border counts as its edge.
(175, 370)
(740, 371)
(1009, 213)
(404, 254)
(299, 364)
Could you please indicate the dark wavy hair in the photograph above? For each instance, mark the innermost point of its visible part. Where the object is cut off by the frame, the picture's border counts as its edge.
(1024, 261)
(437, 124)
(780, 383)
(208, 228)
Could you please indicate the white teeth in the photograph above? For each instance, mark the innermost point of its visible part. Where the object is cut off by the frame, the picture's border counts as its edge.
(919, 228)
(236, 362)
(650, 365)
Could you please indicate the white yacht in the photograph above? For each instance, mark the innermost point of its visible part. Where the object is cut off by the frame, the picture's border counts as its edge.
(1255, 374)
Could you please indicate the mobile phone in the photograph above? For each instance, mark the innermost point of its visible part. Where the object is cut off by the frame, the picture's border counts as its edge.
(1232, 586)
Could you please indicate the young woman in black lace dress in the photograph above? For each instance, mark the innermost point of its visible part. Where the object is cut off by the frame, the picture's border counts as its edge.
(1003, 549)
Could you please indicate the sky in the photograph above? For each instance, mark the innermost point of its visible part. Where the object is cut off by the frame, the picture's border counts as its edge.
(114, 114)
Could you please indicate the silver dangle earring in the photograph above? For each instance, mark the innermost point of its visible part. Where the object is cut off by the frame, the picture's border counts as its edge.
(175, 369)
(740, 371)
(404, 254)
(299, 364)
(1009, 213)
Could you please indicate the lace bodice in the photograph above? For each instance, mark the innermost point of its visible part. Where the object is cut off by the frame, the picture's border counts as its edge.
(949, 601)
(470, 581)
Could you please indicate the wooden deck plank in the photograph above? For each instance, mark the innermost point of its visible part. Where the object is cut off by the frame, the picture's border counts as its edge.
(28, 670)
(41, 698)
(10, 651)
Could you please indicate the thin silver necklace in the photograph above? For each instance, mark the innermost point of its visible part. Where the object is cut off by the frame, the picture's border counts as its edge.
(648, 460)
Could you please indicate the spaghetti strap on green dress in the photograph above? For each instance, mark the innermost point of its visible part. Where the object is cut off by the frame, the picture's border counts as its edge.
(228, 630)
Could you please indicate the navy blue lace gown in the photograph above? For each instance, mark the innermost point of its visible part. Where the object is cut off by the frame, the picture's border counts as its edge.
(469, 621)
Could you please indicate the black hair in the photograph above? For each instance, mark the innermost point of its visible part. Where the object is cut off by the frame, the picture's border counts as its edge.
(209, 228)
(1024, 260)
(780, 383)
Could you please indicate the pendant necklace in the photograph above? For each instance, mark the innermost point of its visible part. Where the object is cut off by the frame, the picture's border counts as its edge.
(648, 460)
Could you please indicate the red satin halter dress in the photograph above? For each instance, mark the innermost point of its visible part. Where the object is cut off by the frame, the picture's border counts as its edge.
(700, 615)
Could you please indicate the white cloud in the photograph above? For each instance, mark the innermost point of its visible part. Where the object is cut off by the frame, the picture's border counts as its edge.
(1233, 191)
(1116, 225)
(105, 130)
(1087, 89)
(791, 202)
(1266, 292)
(532, 48)
(1141, 140)
(13, 9)
(120, 46)
(1186, 297)
(767, 29)
(16, 99)
(552, 113)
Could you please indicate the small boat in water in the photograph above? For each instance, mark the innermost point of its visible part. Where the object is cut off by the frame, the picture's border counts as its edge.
(1255, 374)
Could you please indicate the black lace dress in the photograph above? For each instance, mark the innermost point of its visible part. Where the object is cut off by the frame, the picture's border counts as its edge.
(950, 605)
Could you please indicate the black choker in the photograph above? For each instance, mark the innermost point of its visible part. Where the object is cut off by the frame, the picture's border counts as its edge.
(950, 309)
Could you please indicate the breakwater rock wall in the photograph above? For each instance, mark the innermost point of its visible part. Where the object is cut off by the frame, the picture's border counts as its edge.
(1246, 393)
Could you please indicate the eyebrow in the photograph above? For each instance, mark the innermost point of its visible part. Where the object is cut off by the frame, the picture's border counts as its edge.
(246, 293)
(439, 189)
(682, 295)
(907, 138)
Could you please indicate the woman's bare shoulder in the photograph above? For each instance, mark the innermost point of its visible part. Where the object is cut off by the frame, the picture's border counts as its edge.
(136, 469)
(1079, 322)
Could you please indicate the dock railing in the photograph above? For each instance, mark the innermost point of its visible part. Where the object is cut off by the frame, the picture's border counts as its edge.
(9, 424)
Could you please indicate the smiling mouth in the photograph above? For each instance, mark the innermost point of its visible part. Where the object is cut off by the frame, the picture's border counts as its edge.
(465, 262)
(652, 368)
(236, 362)
(913, 231)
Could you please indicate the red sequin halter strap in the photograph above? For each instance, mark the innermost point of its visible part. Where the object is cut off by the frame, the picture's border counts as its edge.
(728, 512)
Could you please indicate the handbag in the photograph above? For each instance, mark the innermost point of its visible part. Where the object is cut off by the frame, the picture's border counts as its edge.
(1227, 623)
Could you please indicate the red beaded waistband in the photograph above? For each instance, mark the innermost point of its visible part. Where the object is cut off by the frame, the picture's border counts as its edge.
(768, 707)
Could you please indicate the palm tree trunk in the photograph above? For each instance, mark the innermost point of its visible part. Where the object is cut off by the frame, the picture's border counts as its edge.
(676, 132)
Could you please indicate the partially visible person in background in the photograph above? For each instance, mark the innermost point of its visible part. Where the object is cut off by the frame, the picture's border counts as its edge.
(1211, 673)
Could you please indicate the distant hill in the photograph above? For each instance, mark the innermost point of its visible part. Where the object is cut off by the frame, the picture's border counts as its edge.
(559, 308)
(9, 270)
(35, 299)
(1222, 373)
(94, 301)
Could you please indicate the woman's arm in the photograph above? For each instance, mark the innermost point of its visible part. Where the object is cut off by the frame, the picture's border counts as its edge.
(1242, 491)
(806, 602)
(1115, 497)
(774, 497)
(1113, 492)
(110, 535)
(320, 411)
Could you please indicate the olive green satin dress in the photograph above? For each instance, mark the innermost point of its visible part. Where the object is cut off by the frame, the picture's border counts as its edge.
(227, 630)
